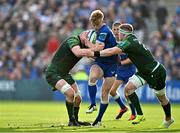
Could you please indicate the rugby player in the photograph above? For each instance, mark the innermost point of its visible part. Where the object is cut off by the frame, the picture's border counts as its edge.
(104, 67)
(124, 71)
(57, 74)
(150, 72)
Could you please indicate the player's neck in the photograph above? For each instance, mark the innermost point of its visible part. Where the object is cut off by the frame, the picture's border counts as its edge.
(99, 26)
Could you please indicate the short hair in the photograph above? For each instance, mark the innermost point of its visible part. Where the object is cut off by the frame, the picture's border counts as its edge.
(96, 17)
(116, 23)
(126, 28)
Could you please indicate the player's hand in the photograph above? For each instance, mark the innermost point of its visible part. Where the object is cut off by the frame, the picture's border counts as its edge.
(119, 61)
(84, 35)
(90, 53)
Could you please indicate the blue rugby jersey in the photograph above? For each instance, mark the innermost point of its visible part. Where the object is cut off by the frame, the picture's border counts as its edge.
(105, 35)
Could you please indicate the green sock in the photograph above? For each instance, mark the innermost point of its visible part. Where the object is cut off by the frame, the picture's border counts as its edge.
(76, 112)
(70, 109)
(135, 101)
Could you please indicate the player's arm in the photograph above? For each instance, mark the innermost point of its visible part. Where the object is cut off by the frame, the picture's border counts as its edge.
(126, 62)
(118, 49)
(108, 52)
(94, 47)
(100, 42)
(79, 52)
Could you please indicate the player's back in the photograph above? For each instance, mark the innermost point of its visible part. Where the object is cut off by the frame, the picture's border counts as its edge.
(138, 54)
(64, 60)
(105, 35)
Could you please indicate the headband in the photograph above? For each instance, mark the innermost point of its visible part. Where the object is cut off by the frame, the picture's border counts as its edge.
(125, 32)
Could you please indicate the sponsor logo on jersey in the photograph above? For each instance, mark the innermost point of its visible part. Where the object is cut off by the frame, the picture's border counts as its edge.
(102, 36)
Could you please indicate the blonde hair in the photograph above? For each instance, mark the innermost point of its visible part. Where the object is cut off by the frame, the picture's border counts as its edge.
(96, 17)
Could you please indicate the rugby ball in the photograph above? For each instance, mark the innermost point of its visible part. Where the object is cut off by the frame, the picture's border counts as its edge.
(92, 36)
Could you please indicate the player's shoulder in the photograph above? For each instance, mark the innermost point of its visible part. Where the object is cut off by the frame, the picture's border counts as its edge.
(105, 28)
(131, 37)
(73, 38)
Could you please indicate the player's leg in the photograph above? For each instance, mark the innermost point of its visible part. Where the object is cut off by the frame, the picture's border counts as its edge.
(58, 83)
(133, 111)
(157, 81)
(77, 103)
(108, 82)
(69, 92)
(95, 73)
(135, 82)
(166, 108)
(117, 98)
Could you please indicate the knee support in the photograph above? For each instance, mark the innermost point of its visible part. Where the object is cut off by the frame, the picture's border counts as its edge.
(116, 96)
(137, 81)
(65, 88)
(91, 84)
(160, 92)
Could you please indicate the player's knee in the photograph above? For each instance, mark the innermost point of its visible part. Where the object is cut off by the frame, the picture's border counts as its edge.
(78, 100)
(78, 97)
(113, 93)
(128, 91)
(92, 81)
(163, 99)
(105, 93)
(70, 95)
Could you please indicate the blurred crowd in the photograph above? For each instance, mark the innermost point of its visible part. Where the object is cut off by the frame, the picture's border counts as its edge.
(31, 31)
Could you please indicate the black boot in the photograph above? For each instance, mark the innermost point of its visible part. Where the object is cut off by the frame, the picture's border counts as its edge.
(83, 123)
(73, 122)
(70, 110)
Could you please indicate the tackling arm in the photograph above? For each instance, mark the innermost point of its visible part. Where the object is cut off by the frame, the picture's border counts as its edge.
(94, 47)
(108, 52)
(79, 52)
(126, 61)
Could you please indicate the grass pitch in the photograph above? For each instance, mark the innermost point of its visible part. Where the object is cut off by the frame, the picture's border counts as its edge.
(52, 117)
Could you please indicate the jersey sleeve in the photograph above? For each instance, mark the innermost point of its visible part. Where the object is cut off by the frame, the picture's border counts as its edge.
(102, 37)
(73, 42)
(125, 45)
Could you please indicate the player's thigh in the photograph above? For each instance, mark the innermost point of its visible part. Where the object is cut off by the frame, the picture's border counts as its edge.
(116, 85)
(107, 84)
(76, 89)
(96, 72)
(58, 83)
(157, 80)
(53, 78)
(134, 82)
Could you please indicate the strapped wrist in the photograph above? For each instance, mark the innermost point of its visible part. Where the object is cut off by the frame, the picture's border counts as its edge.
(97, 54)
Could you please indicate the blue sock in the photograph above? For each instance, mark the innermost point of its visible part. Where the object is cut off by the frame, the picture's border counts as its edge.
(121, 104)
(132, 109)
(92, 94)
(102, 109)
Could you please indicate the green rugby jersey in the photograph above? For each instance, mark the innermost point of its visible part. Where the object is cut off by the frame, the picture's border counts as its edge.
(138, 54)
(64, 60)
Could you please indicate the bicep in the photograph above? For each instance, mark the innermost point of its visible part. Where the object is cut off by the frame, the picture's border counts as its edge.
(75, 49)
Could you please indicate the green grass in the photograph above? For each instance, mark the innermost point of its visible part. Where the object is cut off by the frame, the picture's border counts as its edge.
(52, 117)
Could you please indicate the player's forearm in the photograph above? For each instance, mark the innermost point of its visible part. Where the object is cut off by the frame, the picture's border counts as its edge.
(93, 47)
(84, 52)
(97, 48)
(108, 52)
(126, 62)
